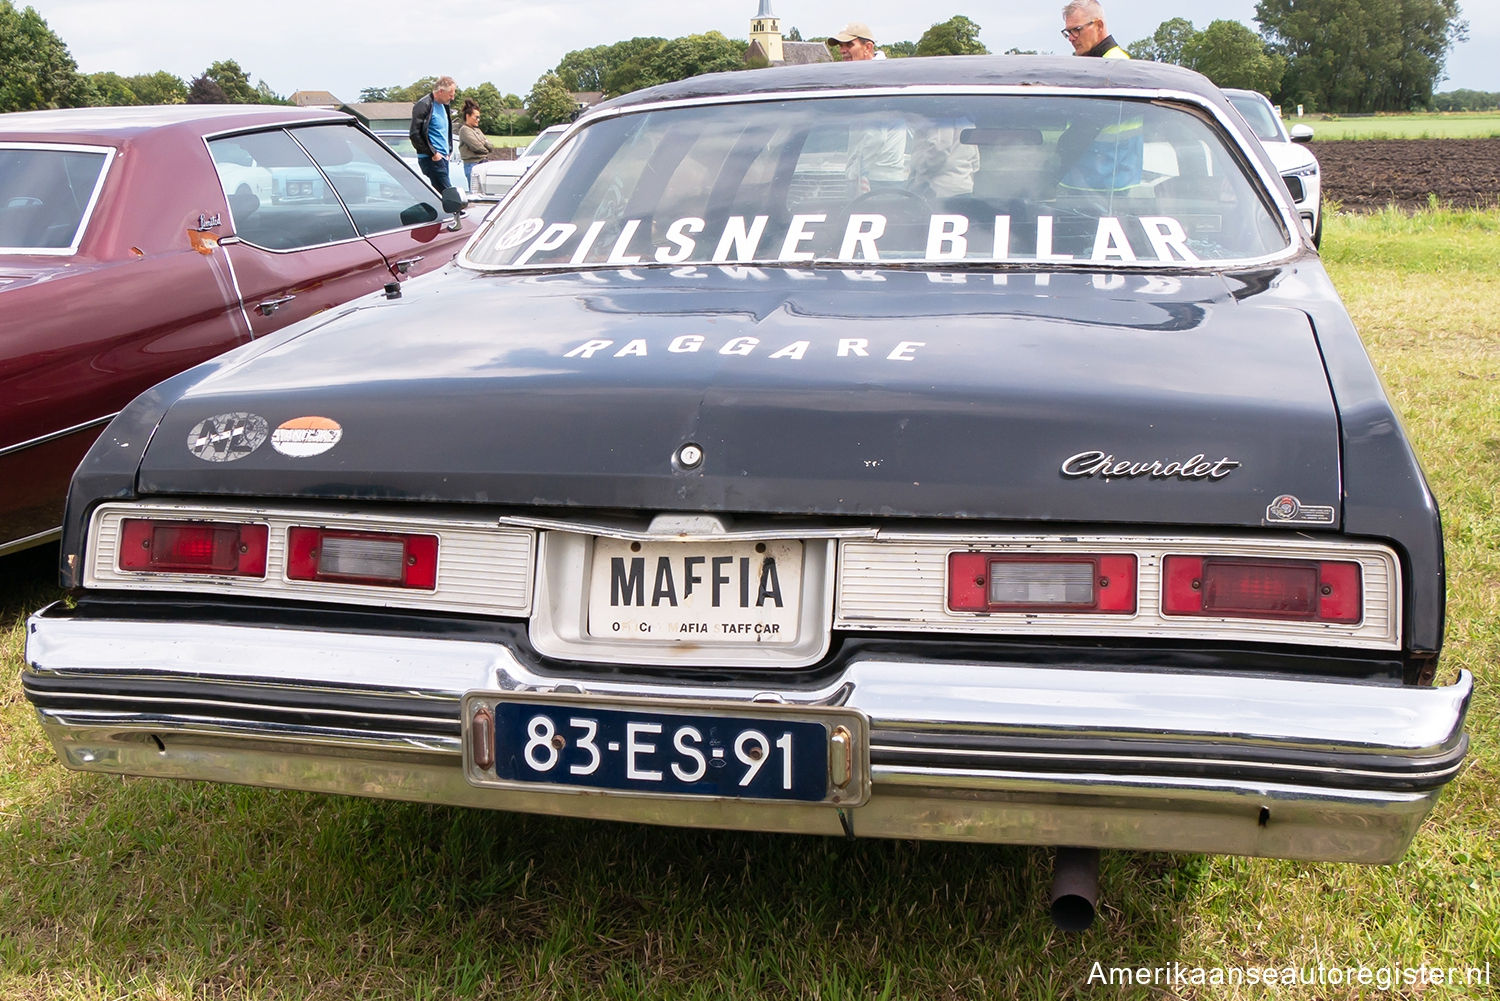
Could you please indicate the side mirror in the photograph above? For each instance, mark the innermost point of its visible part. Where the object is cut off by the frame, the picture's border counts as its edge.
(1301, 133)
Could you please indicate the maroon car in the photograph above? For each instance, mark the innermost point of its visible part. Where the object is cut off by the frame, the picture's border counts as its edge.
(137, 242)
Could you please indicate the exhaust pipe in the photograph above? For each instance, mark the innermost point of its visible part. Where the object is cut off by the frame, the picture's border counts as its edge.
(1075, 888)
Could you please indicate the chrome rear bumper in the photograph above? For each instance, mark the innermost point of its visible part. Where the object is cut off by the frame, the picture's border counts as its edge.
(1138, 759)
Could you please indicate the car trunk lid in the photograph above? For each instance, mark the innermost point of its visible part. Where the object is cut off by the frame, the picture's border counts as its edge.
(1124, 398)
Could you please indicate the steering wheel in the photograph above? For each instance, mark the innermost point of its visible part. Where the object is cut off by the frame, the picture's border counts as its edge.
(892, 198)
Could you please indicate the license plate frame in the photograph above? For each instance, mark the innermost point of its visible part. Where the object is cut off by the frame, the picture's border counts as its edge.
(710, 594)
(839, 747)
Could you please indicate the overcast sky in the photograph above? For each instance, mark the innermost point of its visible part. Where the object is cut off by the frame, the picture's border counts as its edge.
(343, 46)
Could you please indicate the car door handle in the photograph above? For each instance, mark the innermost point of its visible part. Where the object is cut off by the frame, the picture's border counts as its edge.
(272, 305)
(406, 264)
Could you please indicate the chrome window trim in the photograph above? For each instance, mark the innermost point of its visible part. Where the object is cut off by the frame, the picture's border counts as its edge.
(483, 568)
(60, 433)
(88, 210)
(39, 539)
(1267, 178)
(290, 130)
(916, 600)
(365, 236)
(208, 141)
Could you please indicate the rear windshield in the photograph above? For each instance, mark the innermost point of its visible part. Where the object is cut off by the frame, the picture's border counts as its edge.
(910, 178)
(45, 196)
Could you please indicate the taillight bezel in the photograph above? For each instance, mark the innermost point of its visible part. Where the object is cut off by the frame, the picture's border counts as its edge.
(147, 545)
(419, 558)
(1189, 585)
(1115, 583)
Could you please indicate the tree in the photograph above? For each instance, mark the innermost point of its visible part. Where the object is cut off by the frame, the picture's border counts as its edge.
(957, 36)
(114, 90)
(36, 69)
(411, 92)
(492, 113)
(233, 83)
(1231, 55)
(1464, 99)
(678, 59)
(795, 36)
(590, 69)
(549, 101)
(205, 91)
(899, 50)
(160, 87)
(1361, 55)
(1166, 44)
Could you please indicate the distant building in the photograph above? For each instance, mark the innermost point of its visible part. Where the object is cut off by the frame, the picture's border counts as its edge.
(584, 100)
(375, 115)
(379, 115)
(767, 47)
(315, 99)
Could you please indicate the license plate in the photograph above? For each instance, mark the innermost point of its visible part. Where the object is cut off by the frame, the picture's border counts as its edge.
(703, 593)
(776, 753)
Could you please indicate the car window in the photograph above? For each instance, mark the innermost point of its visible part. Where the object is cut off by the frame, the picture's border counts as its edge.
(277, 198)
(380, 192)
(1266, 125)
(543, 142)
(46, 194)
(919, 178)
(401, 144)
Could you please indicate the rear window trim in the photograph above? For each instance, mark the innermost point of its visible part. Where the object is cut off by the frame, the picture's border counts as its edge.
(88, 210)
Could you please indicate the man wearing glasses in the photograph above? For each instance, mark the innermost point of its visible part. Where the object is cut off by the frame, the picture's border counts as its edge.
(1103, 157)
(1085, 29)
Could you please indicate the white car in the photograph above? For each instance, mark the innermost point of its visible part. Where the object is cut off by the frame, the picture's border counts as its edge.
(495, 178)
(1298, 166)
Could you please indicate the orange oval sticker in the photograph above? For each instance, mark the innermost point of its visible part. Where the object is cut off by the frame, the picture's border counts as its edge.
(302, 437)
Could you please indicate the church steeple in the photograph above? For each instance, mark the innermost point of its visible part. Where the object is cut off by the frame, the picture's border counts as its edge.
(765, 28)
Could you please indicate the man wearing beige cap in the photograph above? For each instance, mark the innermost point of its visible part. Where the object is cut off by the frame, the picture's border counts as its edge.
(877, 142)
(855, 42)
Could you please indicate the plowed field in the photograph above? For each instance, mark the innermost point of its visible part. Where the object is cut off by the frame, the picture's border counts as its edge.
(1365, 174)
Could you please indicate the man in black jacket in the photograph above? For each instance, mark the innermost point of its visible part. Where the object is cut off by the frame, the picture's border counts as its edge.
(430, 132)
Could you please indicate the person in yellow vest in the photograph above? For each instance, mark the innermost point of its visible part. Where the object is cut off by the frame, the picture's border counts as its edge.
(1111, 160)
(1083, 26)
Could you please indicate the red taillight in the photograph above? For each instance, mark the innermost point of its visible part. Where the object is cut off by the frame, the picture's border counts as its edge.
(378, 558)
(193, 547)
(994, 582)
(1295, 590)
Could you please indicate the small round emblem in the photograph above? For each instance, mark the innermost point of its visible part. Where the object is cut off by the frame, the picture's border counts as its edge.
(689, 456)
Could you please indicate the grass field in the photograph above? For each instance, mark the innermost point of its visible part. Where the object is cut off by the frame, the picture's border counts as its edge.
(1453, 125)
(118, 888)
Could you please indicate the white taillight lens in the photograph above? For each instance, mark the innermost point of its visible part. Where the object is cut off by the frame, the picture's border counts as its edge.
(149, 545)
(997, 582)
(380, 559)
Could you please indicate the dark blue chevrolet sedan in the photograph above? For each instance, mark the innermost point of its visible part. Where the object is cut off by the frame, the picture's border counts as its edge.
(967, 449)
